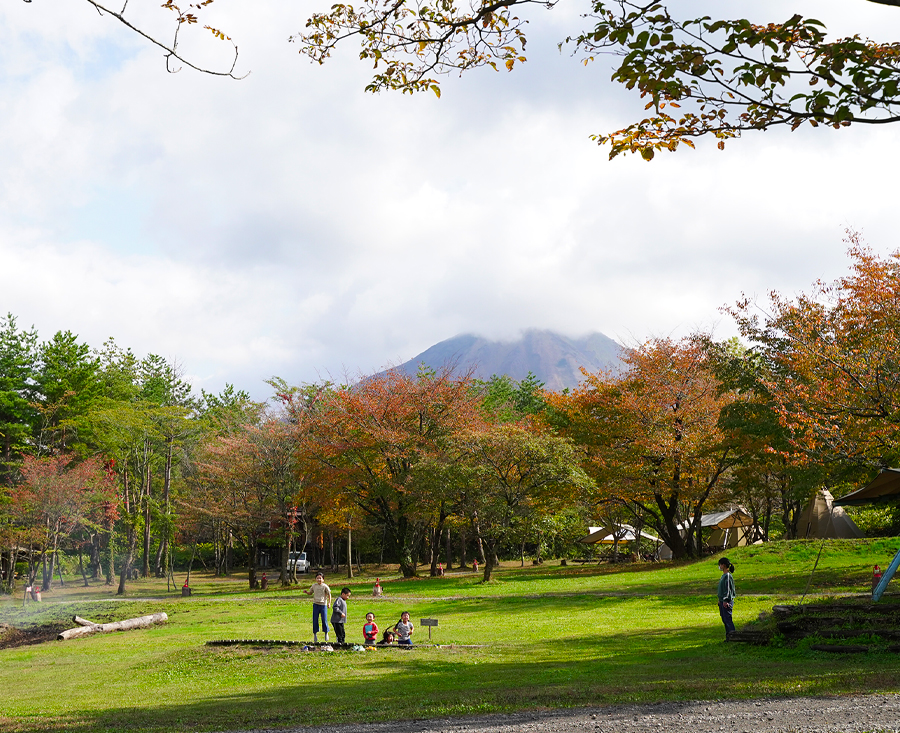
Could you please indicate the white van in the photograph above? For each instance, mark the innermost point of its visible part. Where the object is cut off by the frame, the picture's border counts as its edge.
(298, 559)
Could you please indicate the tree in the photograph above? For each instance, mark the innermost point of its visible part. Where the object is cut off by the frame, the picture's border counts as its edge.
(651, 438)
(126, 433)
(55, 497)
(369, 438)
(517, 476)
(66, 387)
(768, 479)
(733, 75)
(834, 356)
(18, 364)
(250, 483)
(171, 401)
(507, 400)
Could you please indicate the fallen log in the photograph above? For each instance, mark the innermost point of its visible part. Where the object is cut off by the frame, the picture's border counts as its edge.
(87, 627)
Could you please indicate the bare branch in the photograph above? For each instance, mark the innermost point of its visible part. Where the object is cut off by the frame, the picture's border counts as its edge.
(171, 50)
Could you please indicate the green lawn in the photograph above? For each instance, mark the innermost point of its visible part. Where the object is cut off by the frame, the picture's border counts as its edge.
(553, 637)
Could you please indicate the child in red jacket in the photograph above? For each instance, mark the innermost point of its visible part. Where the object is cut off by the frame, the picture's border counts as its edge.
(370, 628)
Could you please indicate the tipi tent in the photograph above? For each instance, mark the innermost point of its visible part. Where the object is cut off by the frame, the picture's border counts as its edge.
(822, 519)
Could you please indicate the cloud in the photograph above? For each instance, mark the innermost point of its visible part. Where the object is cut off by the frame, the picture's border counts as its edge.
(290, 224)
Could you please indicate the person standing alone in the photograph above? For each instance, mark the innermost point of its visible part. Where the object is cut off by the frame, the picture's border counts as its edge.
(726, 594)
(321, 594)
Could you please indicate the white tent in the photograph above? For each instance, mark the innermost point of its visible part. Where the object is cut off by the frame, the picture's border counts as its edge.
(623, 533)
(613, 533)
(822, 519)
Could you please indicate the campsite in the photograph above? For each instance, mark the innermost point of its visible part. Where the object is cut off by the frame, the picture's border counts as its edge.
(535, 637)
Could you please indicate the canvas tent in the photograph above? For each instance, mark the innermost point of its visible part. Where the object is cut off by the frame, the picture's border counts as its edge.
(884, 487)
(822, 519)
(609, 535)
(622, 533)
(729, 528)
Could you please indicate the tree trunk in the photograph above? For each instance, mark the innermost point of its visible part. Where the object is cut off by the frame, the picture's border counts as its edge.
(490, 556)
(110, 554)
(463, 541)
(251, 563)
(162, 554)
(145, 570)
(448, 549)
(94, 561)
(436, 534)
(45, 578)
(478, 543)
(129, 558)
(349, 552)
(191, 561)
(86, 628)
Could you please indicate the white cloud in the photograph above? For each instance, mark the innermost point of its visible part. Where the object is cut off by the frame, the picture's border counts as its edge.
(290, 224)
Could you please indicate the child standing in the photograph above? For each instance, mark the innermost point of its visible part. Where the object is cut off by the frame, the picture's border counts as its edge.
(339, 614)
(726, 594)
(370, 629)
(321, 594)
(404, 629)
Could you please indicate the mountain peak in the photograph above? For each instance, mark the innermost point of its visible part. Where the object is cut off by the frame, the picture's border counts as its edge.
(553, 358)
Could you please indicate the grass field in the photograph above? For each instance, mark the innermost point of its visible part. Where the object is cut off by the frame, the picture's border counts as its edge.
(552, 637)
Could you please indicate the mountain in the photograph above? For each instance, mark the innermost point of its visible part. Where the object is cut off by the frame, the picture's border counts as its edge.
(555, 359)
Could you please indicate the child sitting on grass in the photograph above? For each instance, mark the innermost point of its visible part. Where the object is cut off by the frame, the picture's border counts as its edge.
(404, 629)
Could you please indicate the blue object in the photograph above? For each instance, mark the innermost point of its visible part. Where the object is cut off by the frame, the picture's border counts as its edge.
(888, 574)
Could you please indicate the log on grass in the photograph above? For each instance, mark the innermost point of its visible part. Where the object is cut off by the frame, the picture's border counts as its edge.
(140, 622)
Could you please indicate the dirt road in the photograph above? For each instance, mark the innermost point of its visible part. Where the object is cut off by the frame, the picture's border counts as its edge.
(860, 714)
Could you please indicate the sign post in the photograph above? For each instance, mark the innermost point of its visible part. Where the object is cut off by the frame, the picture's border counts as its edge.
(429, 622)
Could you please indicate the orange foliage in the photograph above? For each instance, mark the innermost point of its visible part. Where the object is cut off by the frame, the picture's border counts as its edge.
(835, 361)
(650, 435)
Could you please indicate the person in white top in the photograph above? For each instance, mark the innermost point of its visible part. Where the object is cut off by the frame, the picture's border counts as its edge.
(321, 594)
(404, 629)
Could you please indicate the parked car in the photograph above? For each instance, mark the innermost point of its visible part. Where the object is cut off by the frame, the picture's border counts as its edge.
(298, 559)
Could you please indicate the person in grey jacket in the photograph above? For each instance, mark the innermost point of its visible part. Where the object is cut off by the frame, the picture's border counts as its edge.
(726, 594)
(339, 614)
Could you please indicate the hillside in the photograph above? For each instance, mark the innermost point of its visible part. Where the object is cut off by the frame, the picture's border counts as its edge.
(555, 359)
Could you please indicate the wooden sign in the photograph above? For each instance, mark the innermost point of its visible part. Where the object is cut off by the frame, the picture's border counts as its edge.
(429, 622)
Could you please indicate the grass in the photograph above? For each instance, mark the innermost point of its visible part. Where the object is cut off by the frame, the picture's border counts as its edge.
(553, 637)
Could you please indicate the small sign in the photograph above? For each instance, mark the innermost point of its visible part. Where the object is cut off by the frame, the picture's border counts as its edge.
(428, 622)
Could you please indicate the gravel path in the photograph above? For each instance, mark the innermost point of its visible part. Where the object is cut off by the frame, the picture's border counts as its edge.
(860, 714)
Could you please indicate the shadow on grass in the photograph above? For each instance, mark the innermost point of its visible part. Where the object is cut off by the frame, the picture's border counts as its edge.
(673, 665)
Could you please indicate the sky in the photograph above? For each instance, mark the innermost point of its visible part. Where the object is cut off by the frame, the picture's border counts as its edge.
(292, 225)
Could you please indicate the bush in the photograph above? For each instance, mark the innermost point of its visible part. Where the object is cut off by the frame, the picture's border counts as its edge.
(876, 521)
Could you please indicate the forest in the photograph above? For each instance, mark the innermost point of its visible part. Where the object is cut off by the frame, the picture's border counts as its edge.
(112, 464)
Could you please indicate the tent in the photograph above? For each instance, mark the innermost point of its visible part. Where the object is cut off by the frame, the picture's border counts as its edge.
(823, 518)
(729, 519)
(884, 487)
(726, 528)
(623, 533)
(617, 532)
